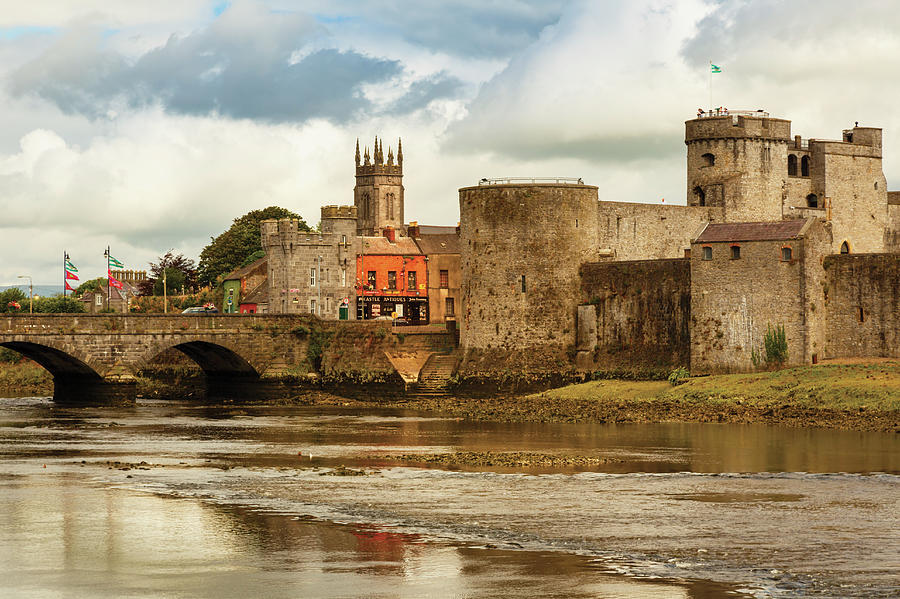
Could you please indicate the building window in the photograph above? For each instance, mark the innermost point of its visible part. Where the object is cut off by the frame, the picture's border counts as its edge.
(312, 306)
(99, 299)
(312, 277)
(804, 166)
(845, 248)
(343, 240)
(445, 279)
(862, 315)
(392, 279)
(812, 201)
(523, 283)
(370, 281)
(327, 305)
(411, 280)
(735, 252)
(708, 159)
(448, 307)
(792, 165)
(343, 277)
(699, 196)
(707, 252)
(786, 254)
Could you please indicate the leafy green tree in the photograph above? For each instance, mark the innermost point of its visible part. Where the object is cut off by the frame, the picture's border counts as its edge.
(180, 273)
(57, 305)
(175, 281)
(232, 248)
(13, 294)
(253, 258)
(92, 285)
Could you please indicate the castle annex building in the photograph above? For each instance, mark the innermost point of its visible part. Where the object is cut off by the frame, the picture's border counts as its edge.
(778, 231)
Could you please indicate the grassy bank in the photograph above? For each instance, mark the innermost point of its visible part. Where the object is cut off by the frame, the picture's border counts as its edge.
(23, 379)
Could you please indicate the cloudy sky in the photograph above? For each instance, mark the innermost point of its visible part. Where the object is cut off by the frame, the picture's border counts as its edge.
(151, 124)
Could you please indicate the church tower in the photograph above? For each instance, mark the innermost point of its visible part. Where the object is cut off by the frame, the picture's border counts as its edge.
(378, 195)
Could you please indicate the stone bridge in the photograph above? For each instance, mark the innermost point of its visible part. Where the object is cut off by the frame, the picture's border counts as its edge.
(97, 357)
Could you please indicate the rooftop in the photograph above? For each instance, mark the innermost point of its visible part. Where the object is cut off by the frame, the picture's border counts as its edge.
(759, 231)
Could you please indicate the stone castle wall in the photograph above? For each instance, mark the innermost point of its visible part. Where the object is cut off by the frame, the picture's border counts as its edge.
(632, 231)
(642, 310)
(863, 306)
(734, 301)
(522, 246)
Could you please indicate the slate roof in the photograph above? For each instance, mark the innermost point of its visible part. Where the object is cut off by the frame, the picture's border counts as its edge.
(240, 273)
(436, 230)
(762, 231)
(439, 244)
(260, 295)
(380, 246)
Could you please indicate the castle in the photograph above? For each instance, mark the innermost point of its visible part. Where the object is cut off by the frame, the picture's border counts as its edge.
(777, 232)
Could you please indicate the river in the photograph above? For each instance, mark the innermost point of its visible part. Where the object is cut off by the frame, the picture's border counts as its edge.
(175, 499)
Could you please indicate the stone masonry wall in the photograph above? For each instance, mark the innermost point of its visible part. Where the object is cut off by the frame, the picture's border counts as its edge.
(643, 311)
(541, 232)
(863, 306)
(634, 231)
(734, 301)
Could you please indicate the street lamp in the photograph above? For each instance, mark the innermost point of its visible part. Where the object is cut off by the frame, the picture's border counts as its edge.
(30, 293)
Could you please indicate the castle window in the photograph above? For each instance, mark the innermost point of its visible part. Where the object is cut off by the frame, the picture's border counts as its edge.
(370, 279)
(312, 306)
(812, 201)
(735, 252)
(343, 240)
(392, 279)
(707, 252)
(786, 254)
(792, 165)
(708, 159)
(699, 196)
(523, 283)
(449, 309)
(312, 277)
(804, 166)
(411, 280)
(862, 315)
(845, 248)
(343, 277)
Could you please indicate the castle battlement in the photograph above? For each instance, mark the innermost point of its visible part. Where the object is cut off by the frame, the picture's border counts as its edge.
(737, 126)
(339, 212)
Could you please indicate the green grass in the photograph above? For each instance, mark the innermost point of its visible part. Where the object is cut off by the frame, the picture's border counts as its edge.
(24, 377)
(874, 386)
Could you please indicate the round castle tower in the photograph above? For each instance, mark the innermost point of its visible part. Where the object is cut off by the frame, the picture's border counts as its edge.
(521, 248)
(737, 161)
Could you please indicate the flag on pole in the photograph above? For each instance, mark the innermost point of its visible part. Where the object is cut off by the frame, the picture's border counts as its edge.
(113, 282)
(70, 276)
(114, 262)
(70, 266)
(714, 68)
(69, 287)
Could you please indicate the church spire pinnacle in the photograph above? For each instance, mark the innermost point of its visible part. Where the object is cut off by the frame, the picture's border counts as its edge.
(357, 151)
(399, 151)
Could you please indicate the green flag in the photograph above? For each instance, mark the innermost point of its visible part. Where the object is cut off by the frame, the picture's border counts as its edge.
(114, 262)
(714, 68)
(70, 267)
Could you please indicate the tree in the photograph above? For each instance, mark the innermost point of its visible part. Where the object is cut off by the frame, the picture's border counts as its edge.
(180, 272)
(91, 285)
(229, 250)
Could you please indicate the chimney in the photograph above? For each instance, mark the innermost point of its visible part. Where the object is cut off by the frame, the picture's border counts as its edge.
(413, 229)
(390, 234)
(797, 141)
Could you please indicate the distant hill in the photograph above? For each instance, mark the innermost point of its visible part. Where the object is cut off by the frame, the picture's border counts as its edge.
(41, 290)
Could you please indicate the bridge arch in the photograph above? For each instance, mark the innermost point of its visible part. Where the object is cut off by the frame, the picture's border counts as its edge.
(61, 363)
(217, 359)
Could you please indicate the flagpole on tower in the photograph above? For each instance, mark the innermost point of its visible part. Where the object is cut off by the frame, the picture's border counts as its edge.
(108, 282)
(65, 270)
(710, 87)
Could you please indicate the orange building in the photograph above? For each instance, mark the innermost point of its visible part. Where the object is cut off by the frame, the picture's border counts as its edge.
(391, 279)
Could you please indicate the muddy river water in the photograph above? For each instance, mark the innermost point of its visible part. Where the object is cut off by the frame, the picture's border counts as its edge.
(174, 499)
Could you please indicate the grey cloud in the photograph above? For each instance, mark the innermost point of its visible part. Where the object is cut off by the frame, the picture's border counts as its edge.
(234, 68)
(470, 28)
(423, 91)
